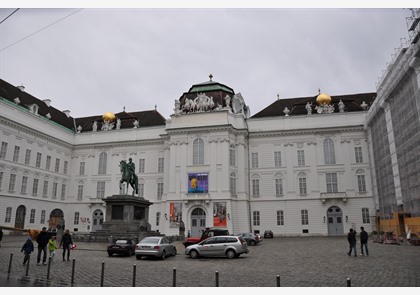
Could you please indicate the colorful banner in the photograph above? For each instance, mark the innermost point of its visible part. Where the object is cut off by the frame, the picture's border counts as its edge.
(198, 183)
(219, 214)
(175, 214)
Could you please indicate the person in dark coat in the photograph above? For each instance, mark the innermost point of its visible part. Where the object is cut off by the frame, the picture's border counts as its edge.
(42, 240)
(27, 249)
(364, 240)
(66, 242)
(351, 237)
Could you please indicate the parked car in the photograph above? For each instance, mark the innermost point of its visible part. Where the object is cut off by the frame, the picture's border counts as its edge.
(158, 246)
(268, 234)
(208, 232)
(121, 247)
(250, 238)
(229, 246)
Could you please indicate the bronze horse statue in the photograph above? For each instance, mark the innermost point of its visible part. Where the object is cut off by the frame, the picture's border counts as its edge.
(128, 176)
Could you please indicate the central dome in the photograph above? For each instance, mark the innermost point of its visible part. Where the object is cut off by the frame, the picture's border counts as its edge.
(108, 116)
(323, 98)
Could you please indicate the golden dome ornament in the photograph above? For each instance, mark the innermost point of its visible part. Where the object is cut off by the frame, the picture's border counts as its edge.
(323, 98)
(108, 117)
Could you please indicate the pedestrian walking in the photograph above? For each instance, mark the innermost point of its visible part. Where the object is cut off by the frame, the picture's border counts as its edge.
(364, 241)
(351, 237)
(27, 249)
(42, 240)
(52, 246)
(67, 243)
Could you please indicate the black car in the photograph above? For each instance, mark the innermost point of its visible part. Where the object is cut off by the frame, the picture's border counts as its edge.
(122, 246)
(268, 234)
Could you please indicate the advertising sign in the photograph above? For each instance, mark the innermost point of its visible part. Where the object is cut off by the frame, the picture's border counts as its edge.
(219, 214)
(175, 214)
(198, 183)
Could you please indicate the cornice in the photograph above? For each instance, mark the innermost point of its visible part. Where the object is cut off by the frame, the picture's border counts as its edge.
(281, 133)
(110, 145)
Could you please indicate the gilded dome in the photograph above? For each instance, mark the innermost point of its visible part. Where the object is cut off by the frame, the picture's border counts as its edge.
(323, 98)
(108, 116)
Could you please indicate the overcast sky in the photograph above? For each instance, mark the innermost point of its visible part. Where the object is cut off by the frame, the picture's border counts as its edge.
(95, 60)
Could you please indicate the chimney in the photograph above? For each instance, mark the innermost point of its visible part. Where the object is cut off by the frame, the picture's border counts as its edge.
(21, 87)
(47, 102)
(67, 112)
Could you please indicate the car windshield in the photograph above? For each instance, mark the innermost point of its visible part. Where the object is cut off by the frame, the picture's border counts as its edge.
(150, 241)
(121, 242)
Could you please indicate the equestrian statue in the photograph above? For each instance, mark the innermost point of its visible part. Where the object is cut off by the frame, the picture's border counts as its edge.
(128, 175)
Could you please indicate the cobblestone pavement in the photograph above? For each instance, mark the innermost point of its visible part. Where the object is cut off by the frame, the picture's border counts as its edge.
(299, 262)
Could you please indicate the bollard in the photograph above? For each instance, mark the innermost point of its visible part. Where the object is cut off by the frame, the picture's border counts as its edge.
(217, 279)
(48, 268)
(174, 278)
(348, 282)
(278, 281)
(72, 272)
(27, 265)
(134, 275)
(102, 273)
(10, 265)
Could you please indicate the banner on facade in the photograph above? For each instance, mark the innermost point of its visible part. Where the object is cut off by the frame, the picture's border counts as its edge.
(198, 183)
(219, 214)
(175, 214)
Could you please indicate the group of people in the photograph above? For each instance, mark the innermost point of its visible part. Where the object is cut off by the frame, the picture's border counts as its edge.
(47, 244)
(351, 237)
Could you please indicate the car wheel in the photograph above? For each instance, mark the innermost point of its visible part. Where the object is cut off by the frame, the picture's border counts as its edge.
(110, 254)
(230, 254)
(193, 254)
(174, 252)
(252, 243)
(138, 257)
(163, 255)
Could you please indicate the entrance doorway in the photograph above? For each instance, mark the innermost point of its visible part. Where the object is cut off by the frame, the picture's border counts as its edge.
(335, 221)
(20, 217)
(97, 219)
(198, 222)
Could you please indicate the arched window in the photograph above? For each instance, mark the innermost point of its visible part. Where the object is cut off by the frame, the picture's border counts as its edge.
(233, 183)
(329, 154)
(102, 163)
(198, 152)
(232, 155)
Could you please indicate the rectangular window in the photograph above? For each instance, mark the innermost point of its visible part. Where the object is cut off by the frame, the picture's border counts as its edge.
(82, 168)
(8, 215)
(38, 160)
(279, 187)
(254, 160)
(141, 190)
(54, 191)
(160, 190)
(256, 217)
(3, 150)
(1, 179)
(24, 186)
(160, 165)
(100, 190)
(255, 187)
(358, 154)
(305, 218)
(63, 191)
(32, 216)
(76, 218)
(42, 221)
(16, 154)
(45, 188)
(361, 183)
(277, 159)
(12, 182)
(48, 163)
(280, 217)
(57, 165)
(232, 156)
(35, 186)
(302, 186)
(301, 157)
(80, 191)
(157, 218)
(332, 183)
(141, 165)
(365, 215)
(27, 157)
(66, 165)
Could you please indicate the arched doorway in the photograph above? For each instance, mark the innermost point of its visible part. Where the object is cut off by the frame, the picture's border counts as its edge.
(56, 220)
(20, 217)
(97, 219)
(335, 221)
(198, 222)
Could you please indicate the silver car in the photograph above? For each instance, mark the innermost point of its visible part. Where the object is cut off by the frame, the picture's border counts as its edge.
(159, 247)
(229, 246)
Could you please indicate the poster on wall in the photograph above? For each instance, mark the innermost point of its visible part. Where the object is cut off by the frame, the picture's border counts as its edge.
(198, 183)
(175, 214)
(219, 214)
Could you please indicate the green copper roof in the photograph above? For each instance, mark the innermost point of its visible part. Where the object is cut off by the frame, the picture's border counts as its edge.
(210, 86)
